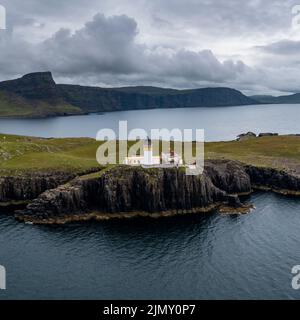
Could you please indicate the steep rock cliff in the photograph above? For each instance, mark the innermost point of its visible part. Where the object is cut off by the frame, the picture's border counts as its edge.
(24, 187)
(134, 189)
(40, 96)
(276, 180)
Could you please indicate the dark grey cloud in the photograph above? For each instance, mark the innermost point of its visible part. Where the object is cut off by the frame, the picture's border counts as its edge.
(217, 17)
(230, 16)
(106, 47)
(242, 44)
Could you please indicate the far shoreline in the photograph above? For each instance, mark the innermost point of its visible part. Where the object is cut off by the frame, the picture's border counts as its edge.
(219, 123)
(42, 117)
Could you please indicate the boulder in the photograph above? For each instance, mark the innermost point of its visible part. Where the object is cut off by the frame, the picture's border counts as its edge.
(246, 136)
(267, 134)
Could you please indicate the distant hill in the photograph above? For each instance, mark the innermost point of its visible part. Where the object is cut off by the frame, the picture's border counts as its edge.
(37, 95)
(288, 99)
(147, 90)
(33, 95)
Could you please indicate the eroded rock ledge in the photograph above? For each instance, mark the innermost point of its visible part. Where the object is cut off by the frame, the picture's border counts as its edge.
(125, 192)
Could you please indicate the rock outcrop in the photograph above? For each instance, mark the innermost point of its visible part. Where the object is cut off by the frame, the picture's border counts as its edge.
(229, 176)
(29, 186)
(246, 136)
(268, 134)
(25, 187)
(126, 190)
(272, 179)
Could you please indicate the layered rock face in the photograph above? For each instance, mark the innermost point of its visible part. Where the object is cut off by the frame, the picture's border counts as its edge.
(268, 178)
(131, 189)
(28, 187)
(229, 176)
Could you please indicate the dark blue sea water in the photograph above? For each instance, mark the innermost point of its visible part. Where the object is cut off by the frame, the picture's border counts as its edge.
(219, 123)
(187, 257)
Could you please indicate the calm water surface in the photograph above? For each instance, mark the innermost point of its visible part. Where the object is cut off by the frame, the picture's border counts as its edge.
(219, 123)
(195, 256)
(209, 256)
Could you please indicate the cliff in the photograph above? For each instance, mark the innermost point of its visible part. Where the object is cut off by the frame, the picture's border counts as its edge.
(92, 99)
(37, 95)
(35, 86)
(29, 186)
(33, 95)
(35, 170)
(22, 188)
(130, 191)
(279, 181)
(126, 192)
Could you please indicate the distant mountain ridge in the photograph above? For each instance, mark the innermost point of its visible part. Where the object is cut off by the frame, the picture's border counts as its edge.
(37, 95)
(288, 99)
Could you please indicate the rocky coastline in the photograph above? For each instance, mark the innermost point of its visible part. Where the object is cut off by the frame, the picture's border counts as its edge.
(128, 192)
(19, 189)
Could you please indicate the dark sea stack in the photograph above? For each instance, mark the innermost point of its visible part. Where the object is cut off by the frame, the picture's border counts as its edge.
(130, 190)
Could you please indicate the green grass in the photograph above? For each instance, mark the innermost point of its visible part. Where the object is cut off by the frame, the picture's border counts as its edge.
(277, 151)
(20, 154)
(15, 106)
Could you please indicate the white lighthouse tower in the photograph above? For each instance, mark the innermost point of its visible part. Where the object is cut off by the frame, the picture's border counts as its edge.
(149, 159)
(148, 152)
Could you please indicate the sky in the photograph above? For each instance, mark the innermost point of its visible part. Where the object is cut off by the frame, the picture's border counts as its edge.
(252, 46)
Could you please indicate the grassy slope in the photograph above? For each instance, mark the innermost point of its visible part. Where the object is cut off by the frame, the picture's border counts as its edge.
(19, 154)
(277, 152)
(14, 106)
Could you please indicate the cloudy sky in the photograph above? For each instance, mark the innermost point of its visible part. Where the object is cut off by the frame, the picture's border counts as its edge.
(252, 45)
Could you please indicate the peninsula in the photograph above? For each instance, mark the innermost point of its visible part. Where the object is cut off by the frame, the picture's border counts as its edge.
(59, 180)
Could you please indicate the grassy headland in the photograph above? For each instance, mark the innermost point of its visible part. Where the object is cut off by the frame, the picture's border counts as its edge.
(279, 152)
(29, 154)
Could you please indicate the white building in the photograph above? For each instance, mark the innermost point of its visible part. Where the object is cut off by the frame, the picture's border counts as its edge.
(171, 158)
(148, 159)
